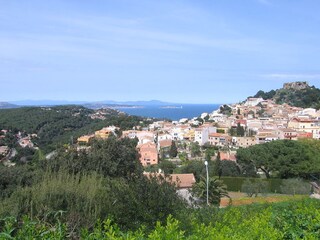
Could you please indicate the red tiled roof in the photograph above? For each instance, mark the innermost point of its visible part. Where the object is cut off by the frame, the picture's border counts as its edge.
(302, 120)
(287, 130)
(185, 180)
(227, 156)
(147, 145)
(165, 143)
(215, 134)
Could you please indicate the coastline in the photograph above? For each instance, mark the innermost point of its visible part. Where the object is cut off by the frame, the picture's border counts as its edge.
(173, 113)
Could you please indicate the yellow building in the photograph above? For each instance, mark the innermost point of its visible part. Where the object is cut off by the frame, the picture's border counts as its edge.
(103, 133)
(85, 139)
(189, 135)
(246, 141)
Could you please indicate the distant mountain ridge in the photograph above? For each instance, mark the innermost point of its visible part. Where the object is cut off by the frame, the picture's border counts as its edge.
(5, 105)
(298, 94)
(101, 104)
(46, 102)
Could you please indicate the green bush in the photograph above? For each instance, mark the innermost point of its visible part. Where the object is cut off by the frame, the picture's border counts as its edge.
(86, 198)
(83, 199)
(295, 186)
(234, 184)
(254, 187)
(287, 220)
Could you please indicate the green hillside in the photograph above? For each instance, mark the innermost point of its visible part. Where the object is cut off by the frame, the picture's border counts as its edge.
(61, 124)
(305, 97)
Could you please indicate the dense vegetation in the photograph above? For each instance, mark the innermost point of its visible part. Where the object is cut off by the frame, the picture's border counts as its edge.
(34, 119)
(305, 98)
(99, 191)
(287, 220)
(282, 158)
(225, 109)
(58, 125)
(103, 181)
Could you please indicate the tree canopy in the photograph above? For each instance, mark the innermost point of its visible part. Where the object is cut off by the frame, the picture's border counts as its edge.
(284, 158)
(104, 180)
(59, 125)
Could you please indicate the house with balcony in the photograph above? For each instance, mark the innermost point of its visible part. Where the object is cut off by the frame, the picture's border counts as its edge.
(219, 139)
(305, 124)
(244, 142)
(287, 133)
(148, 153)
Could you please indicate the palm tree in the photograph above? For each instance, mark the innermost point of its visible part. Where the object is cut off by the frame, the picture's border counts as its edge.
(217, 190)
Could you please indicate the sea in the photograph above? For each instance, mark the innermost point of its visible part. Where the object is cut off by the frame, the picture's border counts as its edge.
(174, 113)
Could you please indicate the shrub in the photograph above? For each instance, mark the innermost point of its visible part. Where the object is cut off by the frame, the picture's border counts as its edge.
(295, 186)
(235, 183)
(288, 220)
(254, 187)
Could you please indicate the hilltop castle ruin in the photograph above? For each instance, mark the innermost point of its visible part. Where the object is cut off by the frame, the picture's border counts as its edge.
(296, 85)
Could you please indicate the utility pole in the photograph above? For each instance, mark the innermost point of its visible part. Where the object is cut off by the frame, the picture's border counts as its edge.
(206, 163)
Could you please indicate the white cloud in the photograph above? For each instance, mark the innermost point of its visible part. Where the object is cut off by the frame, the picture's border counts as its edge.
(132, 32)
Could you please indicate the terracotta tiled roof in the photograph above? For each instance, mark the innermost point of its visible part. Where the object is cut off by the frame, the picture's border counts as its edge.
(215, 135)
(227, 156)
(287, 130)
(165, 143)
(185, 180)
(147, 146)
(302, 120)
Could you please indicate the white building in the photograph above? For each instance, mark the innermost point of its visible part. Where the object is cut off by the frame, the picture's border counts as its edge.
(201, 135)
(165, 136)
(253, 101)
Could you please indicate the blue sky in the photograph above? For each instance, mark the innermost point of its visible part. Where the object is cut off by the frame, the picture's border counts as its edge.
(179, 51)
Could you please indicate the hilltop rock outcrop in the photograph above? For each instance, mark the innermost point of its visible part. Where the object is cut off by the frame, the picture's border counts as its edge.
(298, 94)
(296, 85)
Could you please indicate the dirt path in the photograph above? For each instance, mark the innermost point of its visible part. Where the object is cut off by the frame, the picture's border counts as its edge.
(238, 198)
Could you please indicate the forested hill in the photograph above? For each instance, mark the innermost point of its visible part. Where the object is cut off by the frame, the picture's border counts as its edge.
(61, 124)
(298, 94)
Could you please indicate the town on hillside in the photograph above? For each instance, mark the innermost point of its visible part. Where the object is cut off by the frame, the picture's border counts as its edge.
(254, 121)
(241, 125)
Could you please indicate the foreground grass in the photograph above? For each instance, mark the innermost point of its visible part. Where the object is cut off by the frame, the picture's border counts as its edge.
(270, 198)
(294, 219)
